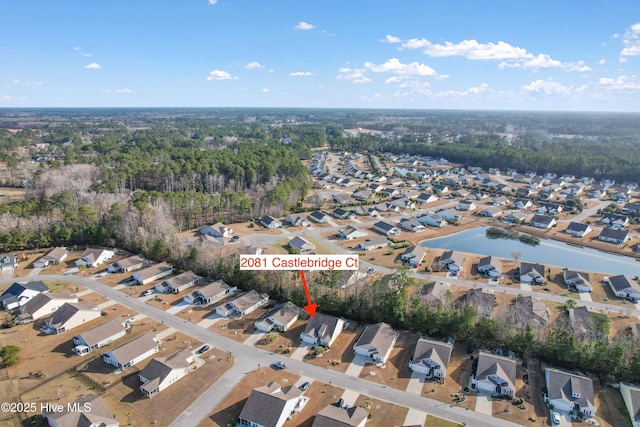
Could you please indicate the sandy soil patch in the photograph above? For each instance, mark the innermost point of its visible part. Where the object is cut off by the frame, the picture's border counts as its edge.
(321, 395)
(285, 342)
(506, 410)
(341, 353)
(239, 329)
(458, 373)
(381, 413)
(396, 372)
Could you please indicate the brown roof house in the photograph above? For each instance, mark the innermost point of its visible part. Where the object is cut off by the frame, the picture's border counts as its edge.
(333, 416)
(46, 303)
(133, 351)
(153, 273)
(322, 330)
(104, 334)
(435, 292)
(243, 304)
(376, 342)
(75, 414)
(161, 372)
(585, 322)
(179, 283)
(280, 318)
(93, 257)
(70, 315)
(128, 264)
(210, 293)
(54, 257)
(272, 405)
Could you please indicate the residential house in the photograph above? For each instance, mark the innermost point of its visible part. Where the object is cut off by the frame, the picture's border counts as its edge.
(490, 266)
(153, 273)
(521, 204)
(576, 280)
(410, 225)
(466, 205)
(364, 195)
(414, 255)
(499, 201)
(434, 292)
(340, 213)
(243, 304)
(132, 352)
(631, 397)
(54, 257)
(434, 220)
(623, 287)
(491, 212)
(128, 264)
(549, 208)
(542, 221)
(386, 207)
(319, 217)
(365, 211)
(577, 229)
(482, 300)
(374, 243)
(389, 192)
(376, 342)
(615, 221)
(583, 321)
(451, 261)
(323, 330)
(614, 235)
(70, 315)
(99, 336)
(426, 198)
(442, 189)
(333, 416)
(8, 262)
(495, 374)
(342, 199)
(296, 220)
(161, 372)
(385, 228)
(74, 414)
(45, 303)
(217, 230)
(450, 215)
(516, 218)
(18, 294)
(280, 318)
(209, 293)
(350, 277)
(527, 310)
(93, 257)
(569, 392)
(350, 233)
(403, 203)
(431, 357)
(268, 221)
(531, 274)
(301, 245)
(376, 188)
(631, 207)
(179, 283)
(271, 405)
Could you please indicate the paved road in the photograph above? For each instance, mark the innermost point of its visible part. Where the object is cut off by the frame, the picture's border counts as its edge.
(247, 359)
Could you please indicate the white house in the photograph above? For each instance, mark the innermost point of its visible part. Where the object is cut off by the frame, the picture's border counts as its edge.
(414, 255)
(569, 393)
(271, 405)
(531, 274)
(350, 233)
(161, 372)
(302, 245)
(615, 221)
(73, 414)
(101, 335)
(374, 243)
(495, 375)
(153, 273)
(433, 220)
(450, 215)
(431, 357)
(376, 342)
(243, 304)
(385, 228)
(490, 266)
(132, 352)
(577, 229)
(217, 230)
(68, 316)
(542, 221)
(426, 198)
(270, 222)
(614, 235)
(18, 294)
(319, 217)
(411, 225)
(209, 293)
(576, 280)
(631, 396)
(491, 212)
(128, 264)
(322, 329)
(451, 261)
(296, 220)
(93, 257)
(8, 262)
(178, 283)
(623, 287)
(54, 257)
(45, 303)
(466, 205)
(280, 318)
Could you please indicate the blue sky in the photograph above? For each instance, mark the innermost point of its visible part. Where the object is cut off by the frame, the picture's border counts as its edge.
(472, 54)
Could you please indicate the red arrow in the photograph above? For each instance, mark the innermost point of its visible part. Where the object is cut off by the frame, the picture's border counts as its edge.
(311, 308)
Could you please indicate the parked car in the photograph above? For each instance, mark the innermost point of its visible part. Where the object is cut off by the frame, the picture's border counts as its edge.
(202, 349)
(305, 386)
(146, 293)
(555, 417)
(279, 365)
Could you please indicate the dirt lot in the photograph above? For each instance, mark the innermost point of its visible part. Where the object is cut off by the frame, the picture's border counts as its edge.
(610, 408)
(396, 373)
(285, 342)
(507, 411)
(458, 373)
(341, 351)
(239, 330)
(125, 397)
(47, 355)
(229, 409)
(384, 414)
(321, 395)
(439, 422)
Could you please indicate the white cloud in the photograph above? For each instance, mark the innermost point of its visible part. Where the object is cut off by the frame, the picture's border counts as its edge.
(304, 26)
(301, 74)
(124, 90)
(543, 61)
(356, 75)
(16, 81)
(484, 87)
(219, 75)
(394, 66)
(620, 83)
(631, 41)
(470, 49)
(86, 54)
(271, 70)
(213, 2)
(548, 87)
(266, 90)
(93, 66)
(76, 48)
(253, 65)
(390, 39)
(602, 62)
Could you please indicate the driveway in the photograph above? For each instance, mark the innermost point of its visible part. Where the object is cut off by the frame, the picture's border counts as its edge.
(484, 404)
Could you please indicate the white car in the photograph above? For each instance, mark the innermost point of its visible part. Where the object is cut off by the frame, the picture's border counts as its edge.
(555, 418)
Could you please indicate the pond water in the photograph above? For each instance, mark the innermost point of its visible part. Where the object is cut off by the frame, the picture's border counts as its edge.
(548, 252)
